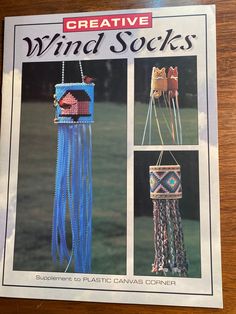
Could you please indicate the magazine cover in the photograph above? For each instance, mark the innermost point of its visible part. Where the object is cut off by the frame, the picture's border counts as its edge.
(109, 158)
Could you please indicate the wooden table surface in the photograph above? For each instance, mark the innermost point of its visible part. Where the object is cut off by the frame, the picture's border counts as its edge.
(226, 62)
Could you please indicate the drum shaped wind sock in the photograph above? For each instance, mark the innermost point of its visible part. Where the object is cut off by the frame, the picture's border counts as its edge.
(74, 104)
(165, 192)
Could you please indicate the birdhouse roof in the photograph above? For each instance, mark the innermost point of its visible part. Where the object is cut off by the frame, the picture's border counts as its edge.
(79, 95)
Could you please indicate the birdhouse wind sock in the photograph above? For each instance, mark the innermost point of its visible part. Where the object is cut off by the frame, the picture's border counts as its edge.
(165, 192)
(74, 104)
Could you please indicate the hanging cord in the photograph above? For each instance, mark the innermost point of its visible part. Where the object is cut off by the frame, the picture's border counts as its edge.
(174, 158)
(179, 120)
(62, 72)
(175, 116)
(146, 123)
(163, 114)
(81, 71)
(161, 155)
(150, 125)
(167, 104)
(160, 158)
(157, 121)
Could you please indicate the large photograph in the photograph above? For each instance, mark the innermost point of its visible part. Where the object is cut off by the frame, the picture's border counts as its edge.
(167, 214)
(71, 194)
(166, 109)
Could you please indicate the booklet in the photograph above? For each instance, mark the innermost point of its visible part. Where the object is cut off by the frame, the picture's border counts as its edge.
(109, 157)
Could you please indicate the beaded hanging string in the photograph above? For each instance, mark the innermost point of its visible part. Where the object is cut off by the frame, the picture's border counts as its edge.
(165, 192)
(74, 104)
(164, 102)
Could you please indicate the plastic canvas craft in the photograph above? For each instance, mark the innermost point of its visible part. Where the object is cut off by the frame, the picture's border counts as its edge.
(165, 192)
(164, 102)
(74, 104)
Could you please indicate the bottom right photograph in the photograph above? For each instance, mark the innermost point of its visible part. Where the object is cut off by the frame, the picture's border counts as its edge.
(167, 215)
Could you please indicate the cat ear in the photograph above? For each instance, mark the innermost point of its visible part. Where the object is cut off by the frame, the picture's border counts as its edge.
(175, 70)
(157, 72)
(163, 72)
(170, 72)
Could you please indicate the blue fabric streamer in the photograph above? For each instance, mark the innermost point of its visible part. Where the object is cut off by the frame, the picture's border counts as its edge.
(73, 195)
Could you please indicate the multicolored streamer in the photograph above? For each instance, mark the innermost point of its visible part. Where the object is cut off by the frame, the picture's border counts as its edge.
(165, 192)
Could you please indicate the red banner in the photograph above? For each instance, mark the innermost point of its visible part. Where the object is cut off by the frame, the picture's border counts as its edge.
(107, 22)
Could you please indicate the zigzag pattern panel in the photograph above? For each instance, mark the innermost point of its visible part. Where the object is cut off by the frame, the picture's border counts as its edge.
(165, 182)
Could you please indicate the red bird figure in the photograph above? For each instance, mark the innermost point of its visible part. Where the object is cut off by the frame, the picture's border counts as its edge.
(88, 80)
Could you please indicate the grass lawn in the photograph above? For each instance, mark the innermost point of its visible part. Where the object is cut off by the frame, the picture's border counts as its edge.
(144, 248)
(189, 120)
(38, 140)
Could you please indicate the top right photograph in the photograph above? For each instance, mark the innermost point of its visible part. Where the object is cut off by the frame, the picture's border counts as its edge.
(166, 104)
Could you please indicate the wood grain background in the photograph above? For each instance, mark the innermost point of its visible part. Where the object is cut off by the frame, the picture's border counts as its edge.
(226, 62)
